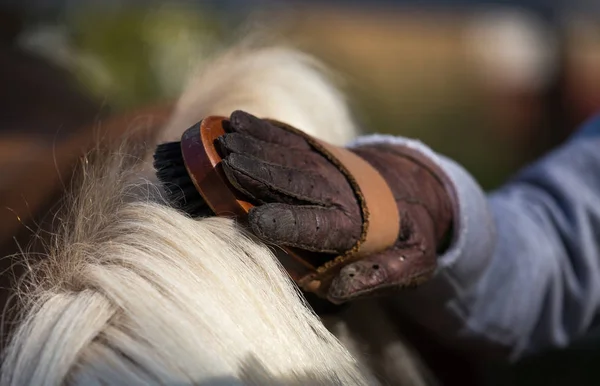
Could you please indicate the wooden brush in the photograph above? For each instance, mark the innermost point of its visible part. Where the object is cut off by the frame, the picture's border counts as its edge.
(192, 173)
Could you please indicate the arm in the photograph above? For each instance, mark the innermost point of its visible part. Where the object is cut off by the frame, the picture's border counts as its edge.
(523, 270)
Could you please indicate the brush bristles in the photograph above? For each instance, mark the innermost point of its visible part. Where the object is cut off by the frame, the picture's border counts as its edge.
(171, 171)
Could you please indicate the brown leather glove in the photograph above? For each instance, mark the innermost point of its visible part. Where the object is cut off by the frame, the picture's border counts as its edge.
(304, 201)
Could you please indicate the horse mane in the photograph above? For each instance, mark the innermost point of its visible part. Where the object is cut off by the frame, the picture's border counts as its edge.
(130, 291)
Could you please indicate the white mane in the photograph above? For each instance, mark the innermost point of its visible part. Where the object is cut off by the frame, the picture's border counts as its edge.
(132, 292)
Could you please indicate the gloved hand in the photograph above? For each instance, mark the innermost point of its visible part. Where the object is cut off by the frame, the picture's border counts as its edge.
(304, 201)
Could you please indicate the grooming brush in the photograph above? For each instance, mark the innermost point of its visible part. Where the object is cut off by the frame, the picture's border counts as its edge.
(192, 173)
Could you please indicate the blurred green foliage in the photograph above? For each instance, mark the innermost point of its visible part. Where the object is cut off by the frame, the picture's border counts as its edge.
(134, 56)
(454, 129)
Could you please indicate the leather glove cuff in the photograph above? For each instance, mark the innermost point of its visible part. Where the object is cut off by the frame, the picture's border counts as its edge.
(415, 180)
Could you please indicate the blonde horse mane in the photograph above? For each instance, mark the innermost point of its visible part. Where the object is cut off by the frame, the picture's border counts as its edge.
(133, 292)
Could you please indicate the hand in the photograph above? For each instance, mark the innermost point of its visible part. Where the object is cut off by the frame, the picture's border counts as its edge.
(304, 201)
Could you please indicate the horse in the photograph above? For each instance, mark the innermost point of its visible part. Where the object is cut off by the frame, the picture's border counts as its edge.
(129, 290)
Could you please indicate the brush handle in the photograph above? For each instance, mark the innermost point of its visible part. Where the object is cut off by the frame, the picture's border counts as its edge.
(203, 163)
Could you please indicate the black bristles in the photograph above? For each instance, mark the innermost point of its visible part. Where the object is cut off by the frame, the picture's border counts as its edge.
(171, 171)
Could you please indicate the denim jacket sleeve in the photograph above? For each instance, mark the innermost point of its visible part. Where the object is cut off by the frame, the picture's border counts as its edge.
(523, 270)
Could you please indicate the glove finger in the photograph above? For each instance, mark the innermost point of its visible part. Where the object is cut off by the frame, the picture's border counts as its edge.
(242, 122)
(268, 183)
(272, 153)
(390, 270)
(312, 228)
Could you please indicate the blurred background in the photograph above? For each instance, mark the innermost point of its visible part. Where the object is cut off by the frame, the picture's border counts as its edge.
(493, 85)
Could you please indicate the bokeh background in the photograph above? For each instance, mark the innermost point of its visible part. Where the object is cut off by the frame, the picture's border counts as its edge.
(493, 85)
(490, 85)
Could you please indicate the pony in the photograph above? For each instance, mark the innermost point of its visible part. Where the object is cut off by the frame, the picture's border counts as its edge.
(130, 291)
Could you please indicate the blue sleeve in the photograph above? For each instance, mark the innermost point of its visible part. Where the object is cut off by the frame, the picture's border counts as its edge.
(523, 271)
